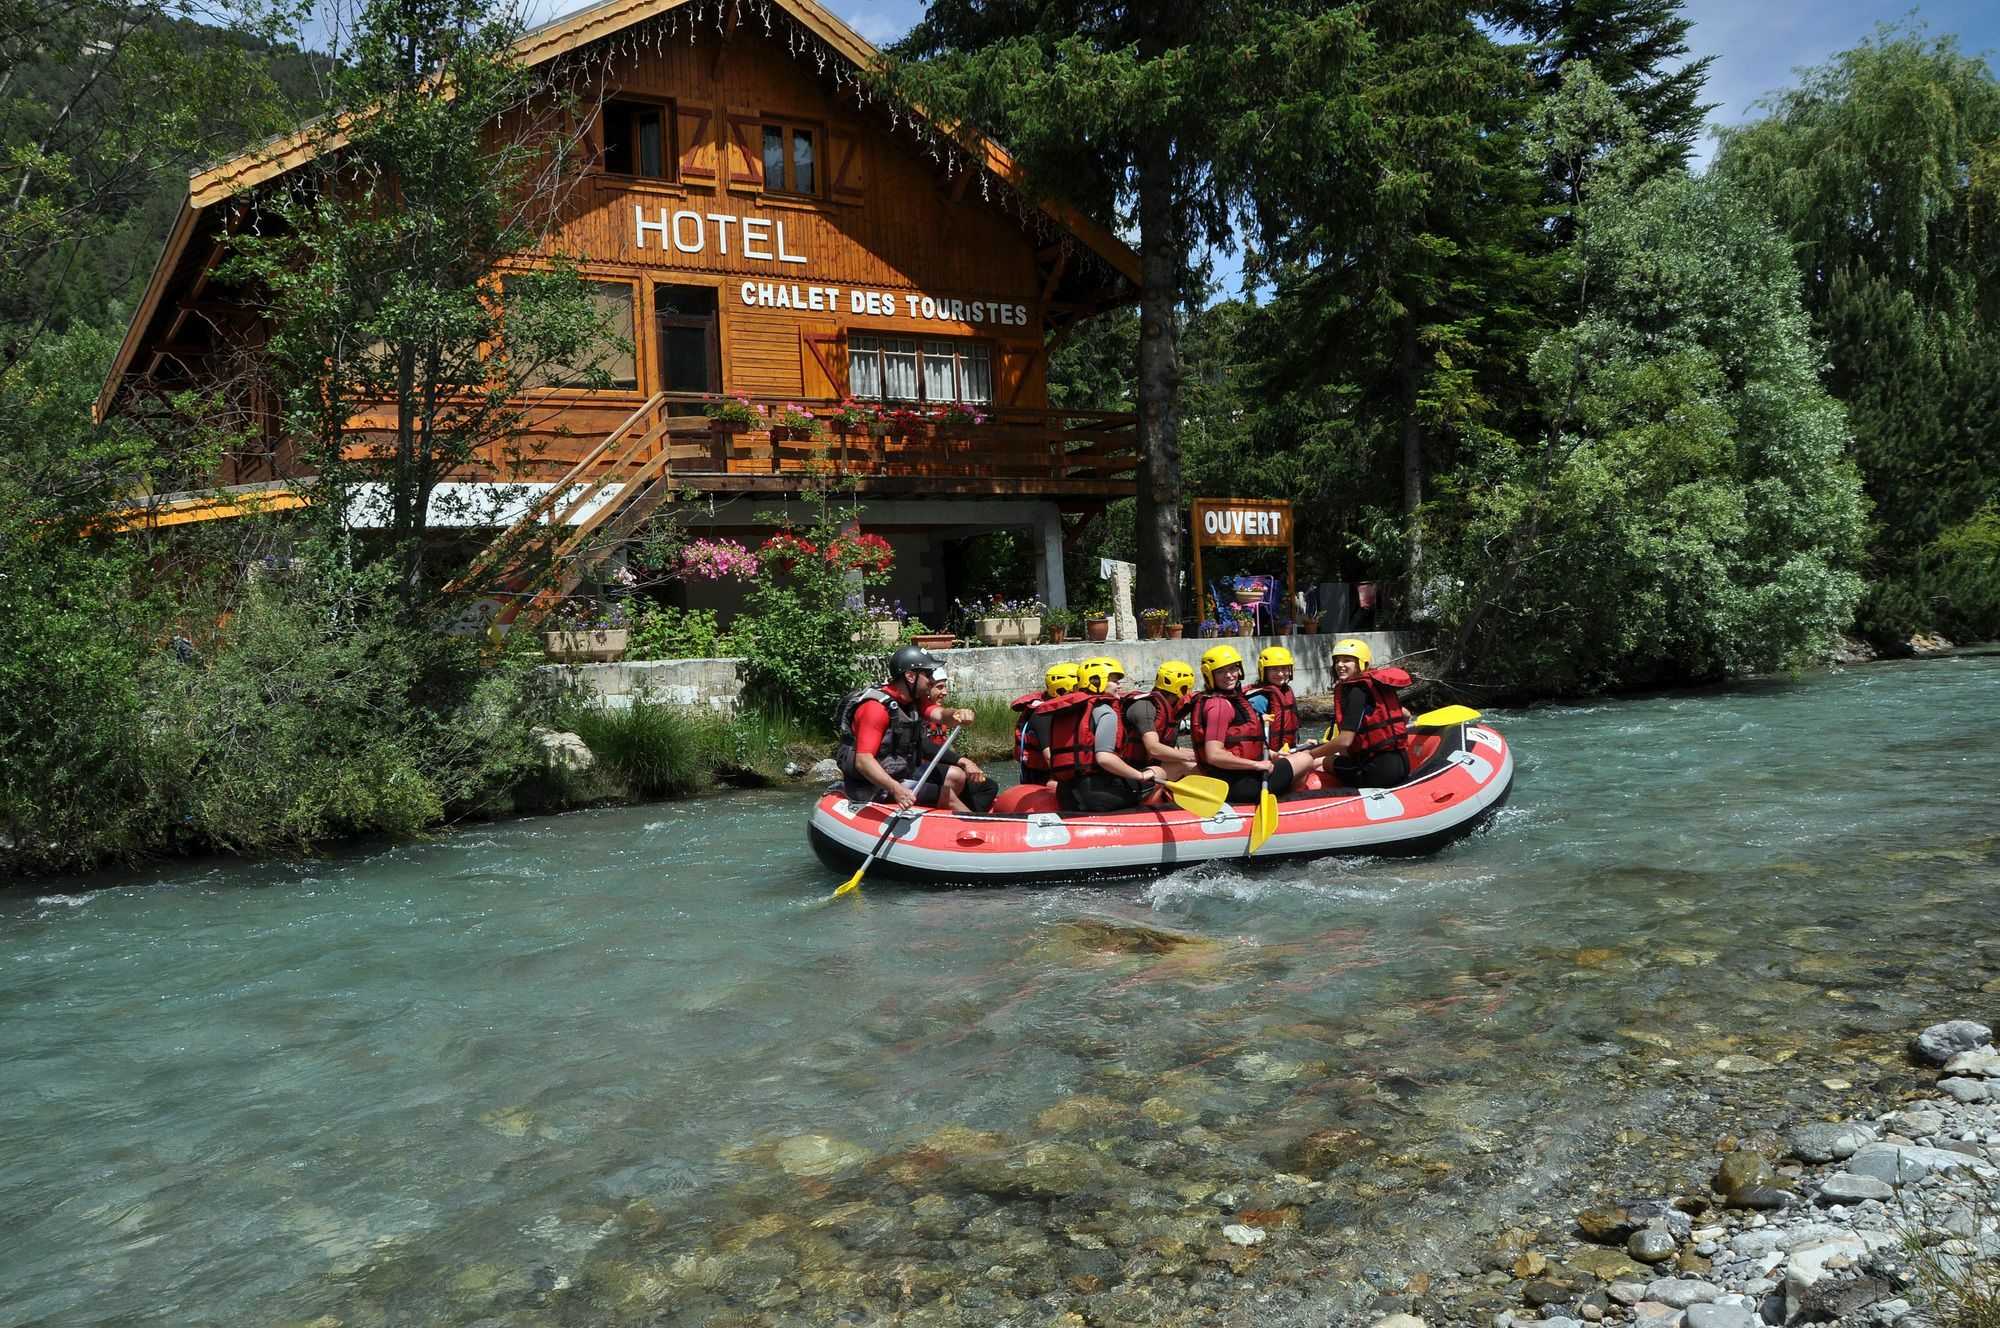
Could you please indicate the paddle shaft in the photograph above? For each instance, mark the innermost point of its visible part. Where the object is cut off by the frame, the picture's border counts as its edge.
(882, 840)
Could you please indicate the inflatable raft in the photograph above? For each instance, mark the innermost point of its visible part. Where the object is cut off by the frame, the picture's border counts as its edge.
(1461, 775)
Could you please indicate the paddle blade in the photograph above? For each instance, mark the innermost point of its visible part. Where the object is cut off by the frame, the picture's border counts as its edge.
(1265, 821)
(1198, 795)
(851, 883)
(1444, 717)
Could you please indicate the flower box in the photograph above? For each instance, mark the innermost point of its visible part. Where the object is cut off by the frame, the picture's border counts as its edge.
(934, 640)
(599, 645)
(888, 631)
(1007, 631)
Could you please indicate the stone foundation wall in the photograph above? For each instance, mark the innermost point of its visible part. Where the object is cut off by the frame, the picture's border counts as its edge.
(1004, 671)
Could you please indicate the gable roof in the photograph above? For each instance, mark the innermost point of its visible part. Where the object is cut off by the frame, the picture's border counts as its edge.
(538, 46)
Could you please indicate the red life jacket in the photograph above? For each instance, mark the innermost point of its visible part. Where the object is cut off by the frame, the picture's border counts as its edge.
(1243, 737)
(1167, 709)
(1284, 713)
(1385, 725)
(1072, 750)
(1131, 742)
(1034, 769)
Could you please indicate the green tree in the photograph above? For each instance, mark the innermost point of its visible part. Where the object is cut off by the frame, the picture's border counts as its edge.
(1154, 112)
(100, 102)
(384, 268)
(1400, 230)
(1689, 512)
(1883, 168)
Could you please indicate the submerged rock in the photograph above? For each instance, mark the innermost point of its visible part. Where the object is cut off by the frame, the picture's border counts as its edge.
(1080, 936)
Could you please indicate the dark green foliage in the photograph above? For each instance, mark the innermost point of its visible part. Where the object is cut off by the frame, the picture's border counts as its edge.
(805, 619)
(1883, 167)
(653, 751)
(319, 716)
(1688, 513)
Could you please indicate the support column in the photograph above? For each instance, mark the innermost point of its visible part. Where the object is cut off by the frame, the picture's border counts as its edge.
(1049, 567)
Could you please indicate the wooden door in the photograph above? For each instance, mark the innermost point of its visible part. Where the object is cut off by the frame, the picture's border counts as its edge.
(690, 342)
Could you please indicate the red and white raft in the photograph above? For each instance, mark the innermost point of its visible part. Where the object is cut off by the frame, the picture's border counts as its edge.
(1463, 773)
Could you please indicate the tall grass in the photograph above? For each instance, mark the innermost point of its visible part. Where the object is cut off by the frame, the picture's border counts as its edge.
(650, 750)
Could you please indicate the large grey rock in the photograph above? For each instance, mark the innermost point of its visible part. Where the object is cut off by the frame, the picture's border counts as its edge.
(1681, 1292)
(824, 771)
(1656, 1314)
(1708, 1315)
(1940, 1042)
(562, 751)
(1846, 1188)
(1815, 1259)
(1831, 1299)
(1981, 1064)
(1970, 1090)
(1829, 1141)
(1899, 1164)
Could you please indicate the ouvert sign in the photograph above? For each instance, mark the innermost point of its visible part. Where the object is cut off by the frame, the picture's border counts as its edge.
(1241, 523)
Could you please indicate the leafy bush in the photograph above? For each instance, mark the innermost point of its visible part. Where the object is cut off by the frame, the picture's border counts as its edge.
(661, 631)
(805, 618)
(324, 715)
(1964, 568)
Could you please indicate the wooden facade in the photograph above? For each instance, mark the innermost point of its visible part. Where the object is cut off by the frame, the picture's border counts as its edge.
(776, 231)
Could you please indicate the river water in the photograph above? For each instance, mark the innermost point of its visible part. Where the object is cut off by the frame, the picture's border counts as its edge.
(628, 1066)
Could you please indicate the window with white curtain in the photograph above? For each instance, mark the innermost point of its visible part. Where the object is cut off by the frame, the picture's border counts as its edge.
(935, 370)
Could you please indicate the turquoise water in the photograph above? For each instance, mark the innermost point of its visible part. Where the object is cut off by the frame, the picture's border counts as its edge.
(628, 1065)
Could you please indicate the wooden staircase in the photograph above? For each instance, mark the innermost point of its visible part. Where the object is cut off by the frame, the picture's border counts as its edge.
(542, 558)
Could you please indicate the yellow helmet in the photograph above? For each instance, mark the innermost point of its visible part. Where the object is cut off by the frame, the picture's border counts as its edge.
(1218, 657)
(1096, 674)
(1274, 657)
(1060, 678)
(1175, 677)
(1357, 648)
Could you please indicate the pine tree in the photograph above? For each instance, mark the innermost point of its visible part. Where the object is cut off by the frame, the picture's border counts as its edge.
(1149, 113)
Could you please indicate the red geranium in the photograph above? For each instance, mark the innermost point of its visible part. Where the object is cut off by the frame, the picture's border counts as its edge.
(868, 554)
(785, 551)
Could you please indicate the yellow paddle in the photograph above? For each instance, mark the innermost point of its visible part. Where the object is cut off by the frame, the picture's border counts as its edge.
(1266, 819)
(1198, 795)
(1445, 717)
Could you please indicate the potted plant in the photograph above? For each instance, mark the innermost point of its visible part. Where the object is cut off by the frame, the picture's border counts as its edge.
(917, 634)
(1152, 623)
(587, 630)
(1210, 627)
(1096, 623)
(735, 413)
(1175, 630)
(889, 619)
(792, 422)
(1004, 622)
(1059, 623)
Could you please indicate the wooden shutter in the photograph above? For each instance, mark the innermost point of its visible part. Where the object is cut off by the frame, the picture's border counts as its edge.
(694, 135)
(844, 165)
(823, 365)
(746, 150)
(1015, 369)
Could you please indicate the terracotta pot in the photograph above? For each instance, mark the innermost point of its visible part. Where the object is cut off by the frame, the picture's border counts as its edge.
(1152, 629)
(1175, 630)
(934, 640)
(1097, 629)
(1058, 635)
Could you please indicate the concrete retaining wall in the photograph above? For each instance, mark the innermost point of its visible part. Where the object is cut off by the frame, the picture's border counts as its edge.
(1005, 671)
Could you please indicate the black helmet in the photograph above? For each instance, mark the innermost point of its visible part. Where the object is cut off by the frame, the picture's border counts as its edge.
(913, 657)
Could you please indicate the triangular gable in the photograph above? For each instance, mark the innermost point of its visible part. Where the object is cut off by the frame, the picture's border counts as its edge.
(538, 46)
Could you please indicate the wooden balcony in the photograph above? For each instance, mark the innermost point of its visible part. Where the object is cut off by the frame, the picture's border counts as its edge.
(1014, 452)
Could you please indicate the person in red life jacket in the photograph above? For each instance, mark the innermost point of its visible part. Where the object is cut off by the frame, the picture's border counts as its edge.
(979, 791)
(1154, 719)
(1272, 696)
(1031, 731)
(1090, 752)
(1370, 747)
(882, 734)
(1229, 734)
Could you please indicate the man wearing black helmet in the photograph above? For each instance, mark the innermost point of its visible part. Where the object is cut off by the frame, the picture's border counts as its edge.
(882, 735)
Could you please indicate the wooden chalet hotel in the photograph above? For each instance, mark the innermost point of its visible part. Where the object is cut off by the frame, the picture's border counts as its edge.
(758, 221)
